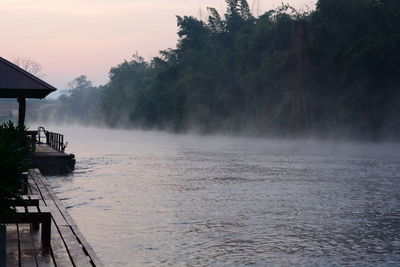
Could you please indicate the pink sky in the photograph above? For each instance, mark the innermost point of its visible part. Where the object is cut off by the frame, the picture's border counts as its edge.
(74, 37)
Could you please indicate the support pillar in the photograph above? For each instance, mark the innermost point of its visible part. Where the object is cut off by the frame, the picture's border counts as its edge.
(21, 111)
(3, 239)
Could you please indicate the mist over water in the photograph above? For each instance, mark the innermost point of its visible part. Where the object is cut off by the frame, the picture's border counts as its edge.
(153, 198)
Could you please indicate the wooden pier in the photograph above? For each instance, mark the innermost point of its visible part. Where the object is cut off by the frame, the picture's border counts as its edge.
(53, 162)
(68, 247)
(50, 156)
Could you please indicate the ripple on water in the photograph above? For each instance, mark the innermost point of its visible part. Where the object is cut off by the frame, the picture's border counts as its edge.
(158, 199)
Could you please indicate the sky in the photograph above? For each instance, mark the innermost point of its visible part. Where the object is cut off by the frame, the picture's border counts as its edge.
(75, 37)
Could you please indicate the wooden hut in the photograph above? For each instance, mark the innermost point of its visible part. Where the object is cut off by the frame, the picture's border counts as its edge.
(20, 84)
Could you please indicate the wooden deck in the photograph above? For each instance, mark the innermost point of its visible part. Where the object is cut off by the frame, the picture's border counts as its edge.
(68, 246)
(44, 149)
(53, 162)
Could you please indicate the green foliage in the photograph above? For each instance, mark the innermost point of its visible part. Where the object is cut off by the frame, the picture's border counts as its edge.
(12, 165)
(15, 148)
(120, 96)
(79, 103)
(355, 52)
(15, 136)
(236, 72)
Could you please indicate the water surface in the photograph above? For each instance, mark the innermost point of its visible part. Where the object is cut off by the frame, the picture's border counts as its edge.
(151, 199)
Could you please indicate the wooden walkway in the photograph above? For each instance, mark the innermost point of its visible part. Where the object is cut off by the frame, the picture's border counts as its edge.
(68, 246)
(44, 149)
(53, 162)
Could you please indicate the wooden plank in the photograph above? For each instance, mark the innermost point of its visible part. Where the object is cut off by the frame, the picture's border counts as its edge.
(49, 194)
(78, 249)
(34, 197)
(32, 209)
(53, 208)
(59, 219)
(12, 247)
(74, 247)
(87, 247)
(35, 185)
(43, 254)
(31, 185)
(43, 209)
(20, 209)
(59, 251)
(32, 189)
(27, 250)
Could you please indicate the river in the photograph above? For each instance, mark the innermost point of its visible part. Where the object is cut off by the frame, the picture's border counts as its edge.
(145, 198)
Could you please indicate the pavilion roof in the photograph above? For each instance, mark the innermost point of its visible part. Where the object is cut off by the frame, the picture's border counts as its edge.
(16, 82)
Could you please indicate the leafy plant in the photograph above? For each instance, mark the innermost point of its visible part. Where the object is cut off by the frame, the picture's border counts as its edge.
(15, 147)
(16, 135)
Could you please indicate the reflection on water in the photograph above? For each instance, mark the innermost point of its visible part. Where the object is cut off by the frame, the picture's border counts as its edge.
(145, 198)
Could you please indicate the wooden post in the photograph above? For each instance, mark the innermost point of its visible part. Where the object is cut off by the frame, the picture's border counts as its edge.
(21, 111)
(58, 142)
(3, 244)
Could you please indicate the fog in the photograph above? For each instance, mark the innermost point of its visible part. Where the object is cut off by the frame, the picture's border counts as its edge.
(273, 75)
(179, 199)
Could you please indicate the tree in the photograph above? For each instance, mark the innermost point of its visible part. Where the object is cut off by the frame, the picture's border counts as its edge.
(80, 82)
(30, 66)
(236, 71)
(215, 22)
(244, 10)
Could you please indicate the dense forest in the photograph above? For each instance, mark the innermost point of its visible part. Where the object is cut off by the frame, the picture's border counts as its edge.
(331, 71)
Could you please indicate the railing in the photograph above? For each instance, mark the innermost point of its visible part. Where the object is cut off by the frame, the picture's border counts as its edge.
(55, 140)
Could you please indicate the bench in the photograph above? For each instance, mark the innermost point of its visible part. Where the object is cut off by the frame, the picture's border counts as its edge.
(34, 215)
(26, 200)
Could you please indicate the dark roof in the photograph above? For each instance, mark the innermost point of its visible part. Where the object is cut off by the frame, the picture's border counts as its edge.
(16, 82)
